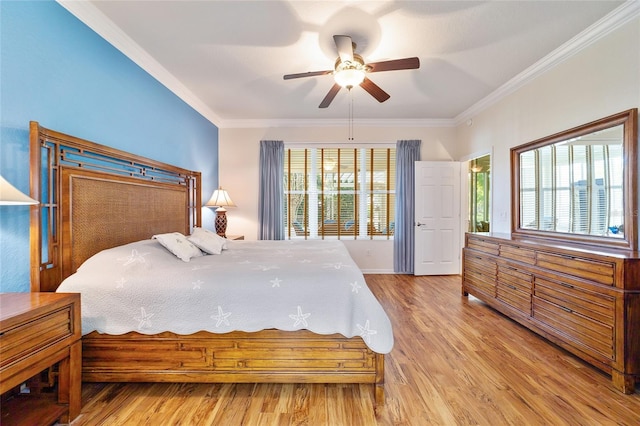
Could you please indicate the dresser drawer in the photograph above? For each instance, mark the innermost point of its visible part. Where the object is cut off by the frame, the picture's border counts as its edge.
(480, 272)
(516, 278)
(29, 337)
(592, 337)
(479, 263)
(589, 269)
(581, 298)
(480, 280)
(514, 287)
(577, 311)
(483, 245)
(519, 253)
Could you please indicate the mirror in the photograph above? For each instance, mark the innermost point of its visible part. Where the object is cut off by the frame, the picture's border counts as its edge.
(479, 194)
(579, 185)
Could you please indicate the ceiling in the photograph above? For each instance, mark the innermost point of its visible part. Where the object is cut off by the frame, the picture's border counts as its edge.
(227, 58)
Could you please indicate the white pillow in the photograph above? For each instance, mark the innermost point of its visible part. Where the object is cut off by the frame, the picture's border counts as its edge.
(207, 241)
(178, 244)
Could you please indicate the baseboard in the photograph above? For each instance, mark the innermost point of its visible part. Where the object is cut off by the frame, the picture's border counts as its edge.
(377, 271)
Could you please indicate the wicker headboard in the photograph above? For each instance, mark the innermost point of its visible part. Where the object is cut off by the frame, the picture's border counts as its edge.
(93, 197)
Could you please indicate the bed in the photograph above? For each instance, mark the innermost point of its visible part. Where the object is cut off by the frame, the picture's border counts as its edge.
(96, 199)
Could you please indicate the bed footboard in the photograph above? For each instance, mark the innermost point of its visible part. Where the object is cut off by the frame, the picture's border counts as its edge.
(269, 356)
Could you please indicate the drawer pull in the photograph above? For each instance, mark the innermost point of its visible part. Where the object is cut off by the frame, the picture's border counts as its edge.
(566, 309)
(566, 256)
(566, 285)
(512, 287)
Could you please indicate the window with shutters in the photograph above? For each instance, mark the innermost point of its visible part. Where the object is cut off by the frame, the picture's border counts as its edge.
(574, 188)
(344, 193)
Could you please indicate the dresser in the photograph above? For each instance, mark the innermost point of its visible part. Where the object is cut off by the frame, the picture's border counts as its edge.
(586, 300)
(37, 331)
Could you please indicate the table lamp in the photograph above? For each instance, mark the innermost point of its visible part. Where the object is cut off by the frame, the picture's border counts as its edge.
(220, 199)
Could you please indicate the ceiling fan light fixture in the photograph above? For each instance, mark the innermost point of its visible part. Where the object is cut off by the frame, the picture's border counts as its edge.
(349, 75)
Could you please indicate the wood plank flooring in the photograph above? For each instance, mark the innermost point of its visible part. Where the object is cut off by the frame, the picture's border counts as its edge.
(455, 362)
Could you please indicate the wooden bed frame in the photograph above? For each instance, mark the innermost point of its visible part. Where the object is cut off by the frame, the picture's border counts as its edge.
(93, 197)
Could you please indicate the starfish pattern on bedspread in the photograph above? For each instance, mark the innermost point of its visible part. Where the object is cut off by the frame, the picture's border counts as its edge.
(366, 332)
(275, 282)
(284, 253)
(144, 319)
(221, 317)
(300, 318)
(355, 286)
(120, 283)
(337, 265)
(133, 258)
(199, 267)
(265, 268)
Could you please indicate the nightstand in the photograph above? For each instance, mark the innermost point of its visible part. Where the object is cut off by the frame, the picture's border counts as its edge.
(235, 237)
(38, 330)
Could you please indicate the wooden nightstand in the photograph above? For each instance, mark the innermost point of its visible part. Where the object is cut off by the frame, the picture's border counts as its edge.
(38, 330)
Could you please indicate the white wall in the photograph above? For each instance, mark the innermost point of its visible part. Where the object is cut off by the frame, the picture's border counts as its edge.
(239, 153)
(601, 80)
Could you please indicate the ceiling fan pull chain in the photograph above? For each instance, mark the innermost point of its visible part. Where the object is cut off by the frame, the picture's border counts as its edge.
(351, 116)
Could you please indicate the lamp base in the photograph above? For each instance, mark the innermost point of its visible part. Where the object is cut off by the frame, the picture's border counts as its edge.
(221, 222)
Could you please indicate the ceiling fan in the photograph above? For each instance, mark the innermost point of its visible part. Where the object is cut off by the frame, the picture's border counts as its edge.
(350, 70)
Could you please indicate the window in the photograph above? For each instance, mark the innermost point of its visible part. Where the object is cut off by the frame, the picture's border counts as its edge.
(345, 193)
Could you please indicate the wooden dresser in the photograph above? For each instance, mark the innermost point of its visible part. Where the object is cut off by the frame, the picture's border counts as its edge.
(584, 300)
(38, 330)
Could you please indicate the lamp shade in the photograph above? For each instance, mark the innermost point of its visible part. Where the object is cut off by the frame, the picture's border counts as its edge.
(220, 198)
(9, 195)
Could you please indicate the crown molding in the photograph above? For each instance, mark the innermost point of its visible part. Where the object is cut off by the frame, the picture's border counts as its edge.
(103, 26)
(340, 122)
(609, 23)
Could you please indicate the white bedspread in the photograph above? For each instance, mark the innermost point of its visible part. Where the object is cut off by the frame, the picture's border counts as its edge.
(254, 285)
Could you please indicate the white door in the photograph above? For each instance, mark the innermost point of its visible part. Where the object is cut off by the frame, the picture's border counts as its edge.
(437, 218)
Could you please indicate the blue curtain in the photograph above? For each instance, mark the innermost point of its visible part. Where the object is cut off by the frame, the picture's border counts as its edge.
(407, 153)
(271, 200)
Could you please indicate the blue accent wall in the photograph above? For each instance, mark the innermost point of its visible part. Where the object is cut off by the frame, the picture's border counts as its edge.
(57, 71)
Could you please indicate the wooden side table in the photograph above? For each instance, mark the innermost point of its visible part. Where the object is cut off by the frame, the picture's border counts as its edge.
(38, 330)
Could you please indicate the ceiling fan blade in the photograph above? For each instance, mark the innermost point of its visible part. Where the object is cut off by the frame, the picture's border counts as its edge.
(306, 74)
(345, 47)
(374, 90)
(332, 94)
(395, 65)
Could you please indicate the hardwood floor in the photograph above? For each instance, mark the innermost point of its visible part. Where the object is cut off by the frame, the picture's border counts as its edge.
(455, 362)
